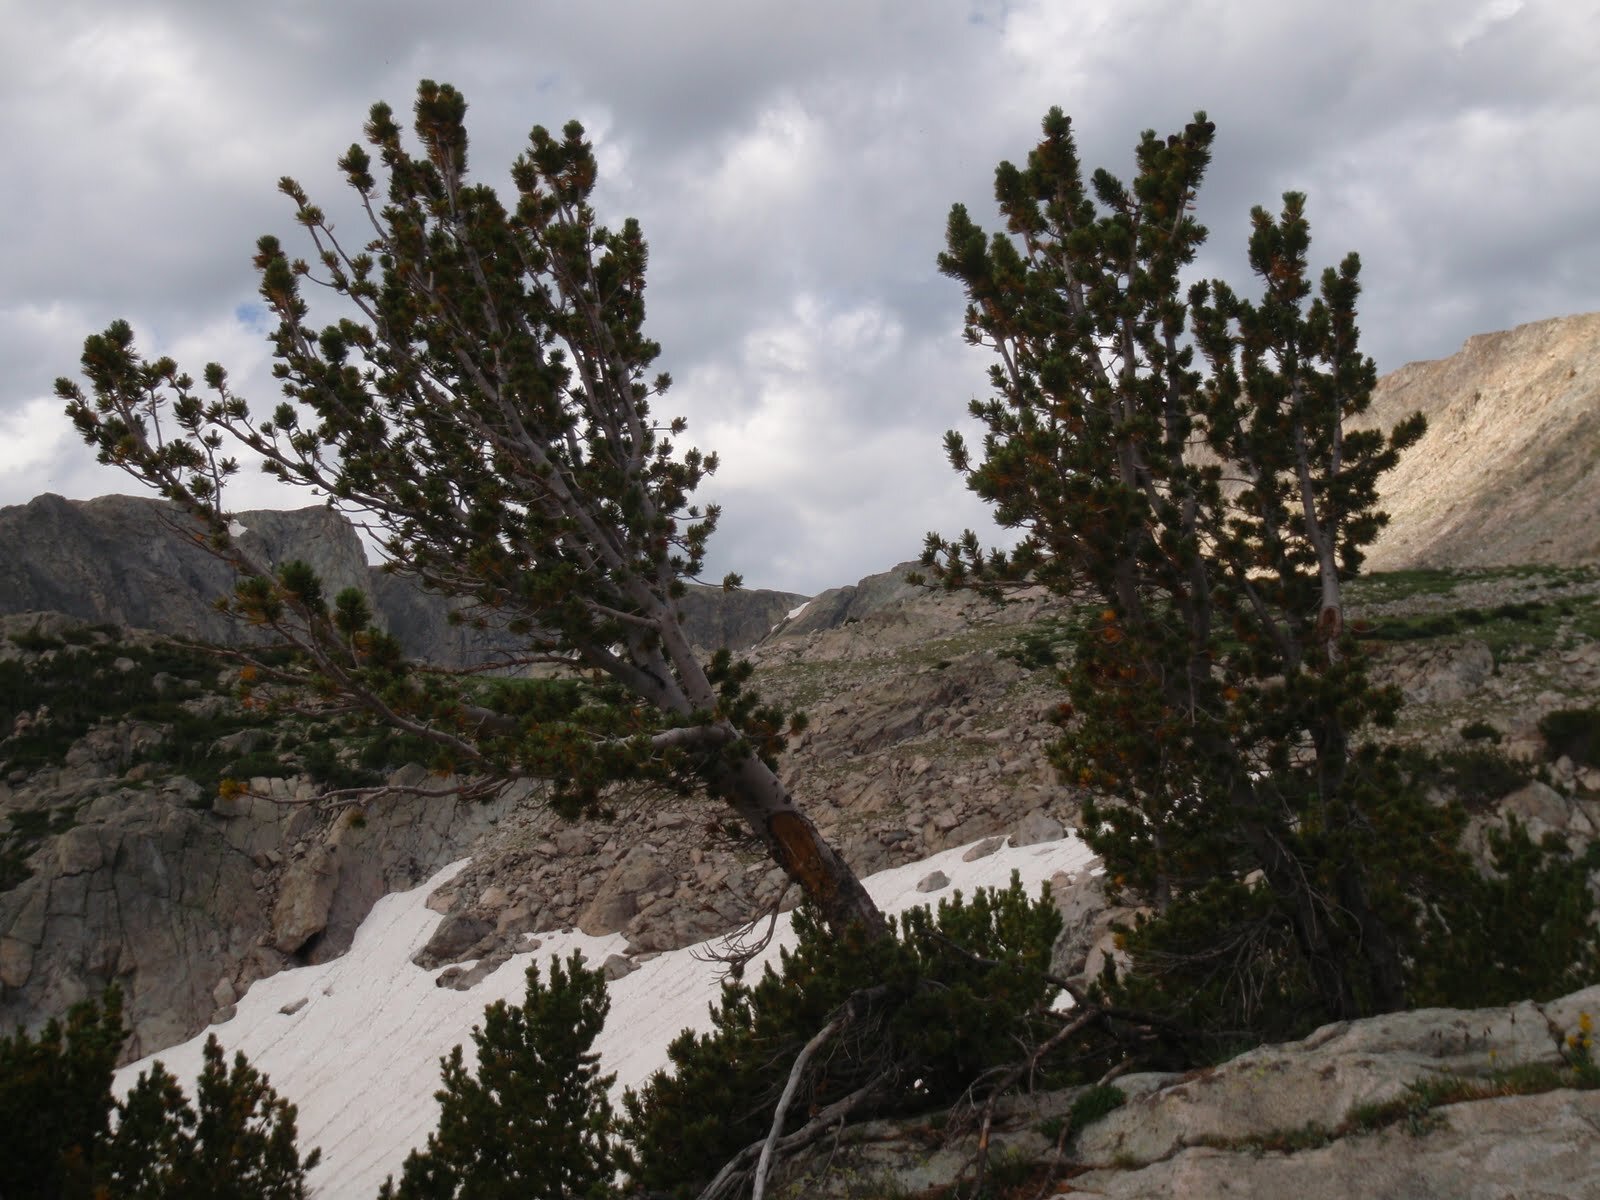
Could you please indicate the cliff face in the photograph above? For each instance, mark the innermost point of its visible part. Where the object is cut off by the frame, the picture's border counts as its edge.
(1509, 470)
(137, 562)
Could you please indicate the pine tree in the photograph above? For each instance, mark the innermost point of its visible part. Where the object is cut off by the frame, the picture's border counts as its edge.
(58, 1141)
(1180, 458)
(56, 1102)
(483, 402)
(533, 1121)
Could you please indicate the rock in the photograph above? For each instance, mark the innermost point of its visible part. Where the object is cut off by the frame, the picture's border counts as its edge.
(294, 1006)
(616, 966)
(674, 927)
(1209, 1133)
(1086, 920)
(1540, 1145)
(1438, 674)
(983, 849)
(117, 558)
(305, 896)
(1320, 1079)
(1539, 807)
(571, 841)
(618, 898)
(151, 897)
(463, 979)
(933, 882)
(245, 741)
(458, 933)
(1038, 826)
(1504, 474)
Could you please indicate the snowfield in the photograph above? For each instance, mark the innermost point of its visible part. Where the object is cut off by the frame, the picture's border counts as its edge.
(355, 1043)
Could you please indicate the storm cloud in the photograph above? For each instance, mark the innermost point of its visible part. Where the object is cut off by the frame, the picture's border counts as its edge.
(792, 166)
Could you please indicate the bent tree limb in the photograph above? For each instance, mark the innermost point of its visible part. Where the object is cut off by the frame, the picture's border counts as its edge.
(766, 1151)
(758, 1186)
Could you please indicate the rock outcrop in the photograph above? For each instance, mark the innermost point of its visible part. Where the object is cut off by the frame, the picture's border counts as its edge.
(1437, 1102)
(846, 605)
(117, 867)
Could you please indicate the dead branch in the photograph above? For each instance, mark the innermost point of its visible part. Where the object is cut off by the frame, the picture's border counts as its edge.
(764, 1151)
(758, 1186)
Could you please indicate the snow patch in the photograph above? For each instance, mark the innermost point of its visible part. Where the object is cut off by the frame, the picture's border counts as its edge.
(358, 1049)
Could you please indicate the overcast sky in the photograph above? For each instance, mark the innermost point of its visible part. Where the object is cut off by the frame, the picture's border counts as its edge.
(792, 165)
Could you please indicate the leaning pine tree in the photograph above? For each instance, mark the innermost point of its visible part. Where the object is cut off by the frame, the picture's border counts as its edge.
(1180, 457)
(485, 403)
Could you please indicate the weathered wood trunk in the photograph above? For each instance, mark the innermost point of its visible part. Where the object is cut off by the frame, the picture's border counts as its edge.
(755, 792)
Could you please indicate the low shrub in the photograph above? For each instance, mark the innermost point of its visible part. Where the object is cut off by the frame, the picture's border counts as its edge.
(951, 994)
(1574, 732)
(57, 1138)
(1479, 776)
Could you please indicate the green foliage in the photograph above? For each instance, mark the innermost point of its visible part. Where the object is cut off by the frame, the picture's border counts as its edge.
(952, 993)
(1186, 460)
(55, 1103)
(325, 765)
(1525, 930)
(57, 1139)
(80, 686)
(1476, 777)
(236, 1142)
(1095, 1103)
(1042, 646)
(35, 642)
(1574, 732)
(1416, 1107)
(1180, 455)
(533, 1121)
(484, 393)
(1480, 731)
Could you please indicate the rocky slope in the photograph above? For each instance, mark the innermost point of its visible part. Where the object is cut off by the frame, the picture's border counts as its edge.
(930, 722)
(120, 862)
(929, 729)
(1509, 470)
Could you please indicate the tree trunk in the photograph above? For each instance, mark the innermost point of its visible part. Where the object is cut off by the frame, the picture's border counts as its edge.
(752, 790)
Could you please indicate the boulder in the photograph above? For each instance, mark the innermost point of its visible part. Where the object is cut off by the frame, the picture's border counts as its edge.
(1087, 918)
(454, 936)
(618, 897)
(304, 897)
(1038, 826)
(1437, 674)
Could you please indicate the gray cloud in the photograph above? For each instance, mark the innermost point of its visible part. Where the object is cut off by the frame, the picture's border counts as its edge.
(792, 166)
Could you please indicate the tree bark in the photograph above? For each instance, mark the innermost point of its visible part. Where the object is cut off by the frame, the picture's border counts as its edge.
(754, 791)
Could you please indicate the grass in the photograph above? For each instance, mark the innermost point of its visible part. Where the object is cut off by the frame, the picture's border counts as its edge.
(1424, 605)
